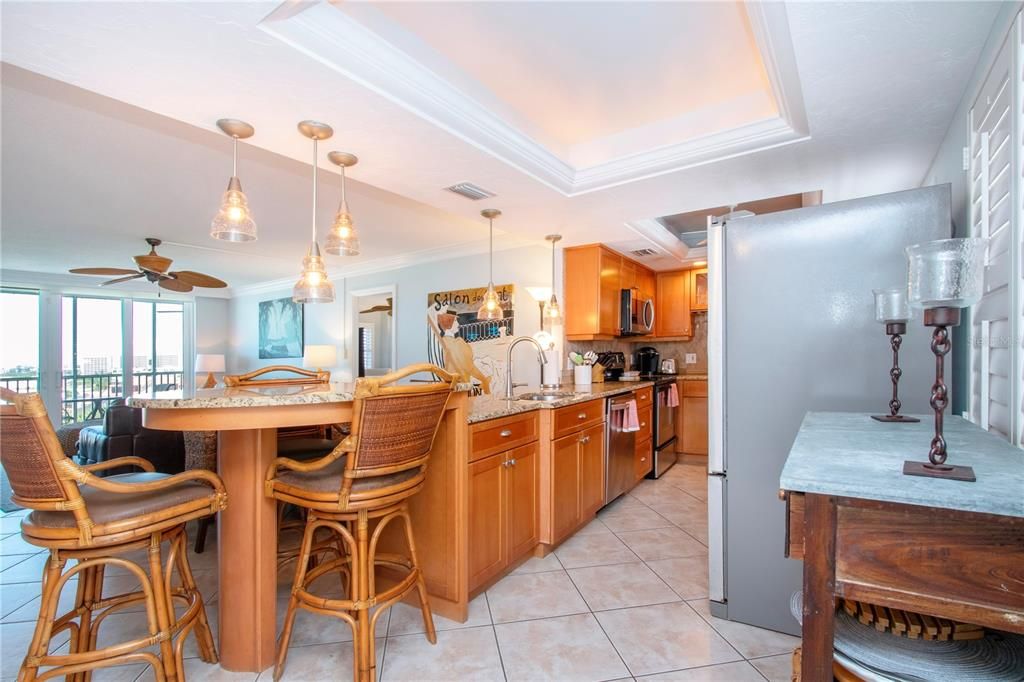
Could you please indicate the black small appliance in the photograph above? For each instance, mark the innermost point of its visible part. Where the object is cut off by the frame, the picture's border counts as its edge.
(647, 360)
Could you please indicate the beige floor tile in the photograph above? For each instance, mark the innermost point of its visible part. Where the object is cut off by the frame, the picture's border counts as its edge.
(698, 530)
(28, 571)
(632, 518)
(775, 668)
(621, 586)
(739, 671)
(8, 561)
(198, 671)
(696, 488)
(597, 549)
(15, 639)
(538, 565)
(534, 595)
(752, 642)
(469, 654)
(320, 662)
(13, 544)
(123, 673)
(313, 628)
(11, 522)
(408, 620)
(16, 597)
(688, 576)
(595, 526)
(661, 543)
(665, 637)
(622, 502)
(684, 509)
(565, 649)
(652, 492)
(124, 627)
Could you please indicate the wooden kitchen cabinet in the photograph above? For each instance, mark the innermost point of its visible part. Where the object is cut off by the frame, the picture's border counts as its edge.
(591, 463)
(692, 425)
(572, 477)
(642, 459)
(646, 282)
(503, 511)
(672, 305)
(565, 487)
(610, 292)
(594, 278)
(698, 289)
(628, 274)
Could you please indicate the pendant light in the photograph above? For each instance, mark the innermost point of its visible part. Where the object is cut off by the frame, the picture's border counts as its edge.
(313, 285)
(342, 240)
(552, 311)
(233, 222)
(490, 309)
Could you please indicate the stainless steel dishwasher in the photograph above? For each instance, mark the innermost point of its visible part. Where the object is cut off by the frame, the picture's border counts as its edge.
(620, 448)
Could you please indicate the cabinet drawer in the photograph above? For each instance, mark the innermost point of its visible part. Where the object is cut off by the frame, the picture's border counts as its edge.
(497, 435)
(644, 396)
(646, 418)
(695, 389)
(574, 417)
(642, 459)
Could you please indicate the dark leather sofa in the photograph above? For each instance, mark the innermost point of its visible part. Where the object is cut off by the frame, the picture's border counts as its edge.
(121, 434)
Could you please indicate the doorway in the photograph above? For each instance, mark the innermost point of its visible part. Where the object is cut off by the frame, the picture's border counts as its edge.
(373, 325)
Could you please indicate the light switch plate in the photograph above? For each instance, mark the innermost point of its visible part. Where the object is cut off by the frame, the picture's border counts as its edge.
(691, 358)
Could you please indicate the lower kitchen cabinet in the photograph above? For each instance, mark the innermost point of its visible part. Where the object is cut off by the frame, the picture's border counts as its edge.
(503, 511)
(591, 459)
(642, 459)
(692, 430)
(565, 486)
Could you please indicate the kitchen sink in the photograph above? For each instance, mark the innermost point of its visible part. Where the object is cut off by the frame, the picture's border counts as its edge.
(545, 397)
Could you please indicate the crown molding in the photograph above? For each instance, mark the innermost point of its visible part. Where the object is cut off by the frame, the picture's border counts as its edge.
(397, 262)
(361, 43)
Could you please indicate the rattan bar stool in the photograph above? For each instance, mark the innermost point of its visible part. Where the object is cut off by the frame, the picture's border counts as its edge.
(367, 480)
(93, 522)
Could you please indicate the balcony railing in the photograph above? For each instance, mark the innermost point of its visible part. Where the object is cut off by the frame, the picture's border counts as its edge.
(88, 396)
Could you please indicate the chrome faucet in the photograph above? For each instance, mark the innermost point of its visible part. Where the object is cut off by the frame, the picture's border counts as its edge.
(509, 385)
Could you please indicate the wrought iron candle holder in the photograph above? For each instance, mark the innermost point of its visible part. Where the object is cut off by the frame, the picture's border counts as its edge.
(892, 310)
(944, 276)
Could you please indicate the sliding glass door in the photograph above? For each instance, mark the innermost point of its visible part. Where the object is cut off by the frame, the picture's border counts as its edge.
(92, 357)
(158, 347)
(19, 344)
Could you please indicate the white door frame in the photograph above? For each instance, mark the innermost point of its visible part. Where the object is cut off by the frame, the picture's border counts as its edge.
(352, 324)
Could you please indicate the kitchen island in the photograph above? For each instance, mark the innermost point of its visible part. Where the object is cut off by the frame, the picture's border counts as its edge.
(867, 532)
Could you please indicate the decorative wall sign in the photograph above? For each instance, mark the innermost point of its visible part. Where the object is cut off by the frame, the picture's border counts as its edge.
(464, 344)
(280, 329)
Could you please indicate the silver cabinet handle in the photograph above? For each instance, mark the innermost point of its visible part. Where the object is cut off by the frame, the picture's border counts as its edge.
(642, 424)
(581, 415)
(585, 439)
(506, 433)
(512, 462)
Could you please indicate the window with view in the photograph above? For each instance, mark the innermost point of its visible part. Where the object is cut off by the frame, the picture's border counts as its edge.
(19, 344)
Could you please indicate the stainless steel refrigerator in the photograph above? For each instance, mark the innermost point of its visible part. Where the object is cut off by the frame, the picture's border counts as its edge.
(791, 329)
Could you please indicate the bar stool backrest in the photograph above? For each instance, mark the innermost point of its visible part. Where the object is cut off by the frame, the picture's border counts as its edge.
(302, 377)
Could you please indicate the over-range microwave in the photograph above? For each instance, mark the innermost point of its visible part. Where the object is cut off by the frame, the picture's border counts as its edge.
(636, 314)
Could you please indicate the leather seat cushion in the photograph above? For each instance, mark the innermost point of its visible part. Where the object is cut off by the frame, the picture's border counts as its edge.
(304, 449)
(328, 479)
(106, 507)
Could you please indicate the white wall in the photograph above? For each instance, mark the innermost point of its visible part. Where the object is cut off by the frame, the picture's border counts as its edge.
(324, 323)
(948, 167)
(211, 325)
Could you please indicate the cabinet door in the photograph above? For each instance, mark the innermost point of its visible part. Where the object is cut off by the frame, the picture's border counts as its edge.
(610, 291)
(645, 281)
(628, 276)
(642, 459)
(695, 425)
(582, 303)
(521, 491)
(591, 470)
(565, 486)
(672, 304)
(699, 289)
(487, 522)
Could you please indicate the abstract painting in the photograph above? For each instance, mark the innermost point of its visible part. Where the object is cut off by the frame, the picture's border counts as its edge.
(280, 333)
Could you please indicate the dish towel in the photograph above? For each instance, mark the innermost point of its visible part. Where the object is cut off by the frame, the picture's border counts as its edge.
(632, 419)
(673, 395)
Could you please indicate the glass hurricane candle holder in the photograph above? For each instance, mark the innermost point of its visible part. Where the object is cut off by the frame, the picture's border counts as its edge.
(893, 310)
(943, 277)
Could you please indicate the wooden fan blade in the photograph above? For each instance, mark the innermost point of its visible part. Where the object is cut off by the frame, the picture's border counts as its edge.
(198, 279)
(121, 279)
(377, 309)
(103, 271)
(175, 285)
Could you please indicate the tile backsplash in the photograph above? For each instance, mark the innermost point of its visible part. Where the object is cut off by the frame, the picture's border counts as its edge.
(668, 349)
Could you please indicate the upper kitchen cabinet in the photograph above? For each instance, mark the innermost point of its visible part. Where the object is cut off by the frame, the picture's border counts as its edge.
(672, 305)
(594, 279)
(698, 290)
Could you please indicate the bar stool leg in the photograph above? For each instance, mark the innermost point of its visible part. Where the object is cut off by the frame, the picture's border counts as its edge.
(44, 626)
(301, 563)
(164, 608)
(365, 668)
(421, 583)
(204, 636)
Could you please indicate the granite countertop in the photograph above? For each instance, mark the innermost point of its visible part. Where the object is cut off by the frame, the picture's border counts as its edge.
(482, 408)
(849, 454)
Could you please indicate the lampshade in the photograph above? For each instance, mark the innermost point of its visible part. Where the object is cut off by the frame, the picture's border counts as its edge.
(313, 285)
(342, 239)
(553, 311)
(948, 273)
(233, 221)
(209, 362)
(320, 357)
(891, 305)
(490, 308)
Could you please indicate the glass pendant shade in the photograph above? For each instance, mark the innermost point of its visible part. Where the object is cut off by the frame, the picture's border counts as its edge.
(313, 285)
(891, 306)
(948, 273)
(490, 309)
(552, 311)
(342, 240)
(233, 222)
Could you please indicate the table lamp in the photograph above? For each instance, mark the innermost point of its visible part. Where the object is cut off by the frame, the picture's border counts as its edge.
(892, 310)
(320, 357)
(209, 363)
(943, 277)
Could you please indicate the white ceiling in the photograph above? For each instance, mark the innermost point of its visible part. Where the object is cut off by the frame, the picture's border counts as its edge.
(875, 88)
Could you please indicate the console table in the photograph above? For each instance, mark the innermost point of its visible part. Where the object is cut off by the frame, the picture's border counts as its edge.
(867, 532)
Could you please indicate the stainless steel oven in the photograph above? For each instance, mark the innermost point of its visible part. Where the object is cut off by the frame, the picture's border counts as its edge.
(664, 428)
(636, 314)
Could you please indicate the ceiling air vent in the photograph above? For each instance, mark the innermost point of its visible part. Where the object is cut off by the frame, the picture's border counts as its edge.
(470, 191)
(643, 253)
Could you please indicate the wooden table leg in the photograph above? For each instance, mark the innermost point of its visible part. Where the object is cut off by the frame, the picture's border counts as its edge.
(819, 588)
(247, 546)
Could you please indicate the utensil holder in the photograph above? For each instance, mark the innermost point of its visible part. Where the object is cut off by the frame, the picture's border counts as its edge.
(582, 375)
(597, 373)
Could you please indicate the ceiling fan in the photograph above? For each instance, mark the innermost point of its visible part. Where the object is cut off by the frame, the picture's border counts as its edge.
(156, 268)
(381, 308)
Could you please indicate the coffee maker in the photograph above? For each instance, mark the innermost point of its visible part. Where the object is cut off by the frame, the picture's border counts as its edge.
(646, 360)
